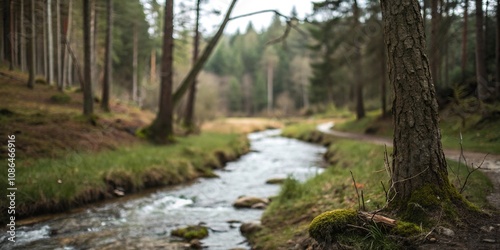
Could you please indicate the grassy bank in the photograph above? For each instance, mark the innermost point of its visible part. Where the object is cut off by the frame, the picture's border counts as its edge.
(477, 135)
(52, 185)
(64, 160)
(287, 219)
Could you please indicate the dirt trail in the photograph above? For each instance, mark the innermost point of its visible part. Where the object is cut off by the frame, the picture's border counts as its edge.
(491, 164)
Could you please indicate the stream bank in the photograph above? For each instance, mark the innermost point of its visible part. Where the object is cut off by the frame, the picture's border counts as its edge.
(146, 222)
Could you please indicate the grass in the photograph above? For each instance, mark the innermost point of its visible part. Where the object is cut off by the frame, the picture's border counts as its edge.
(51, 185)
(288, 216)
(477, 137)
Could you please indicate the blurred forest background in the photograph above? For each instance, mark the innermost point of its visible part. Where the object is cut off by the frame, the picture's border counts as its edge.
(333, 60)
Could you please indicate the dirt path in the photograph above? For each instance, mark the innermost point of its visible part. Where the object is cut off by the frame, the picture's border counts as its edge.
(491, 164)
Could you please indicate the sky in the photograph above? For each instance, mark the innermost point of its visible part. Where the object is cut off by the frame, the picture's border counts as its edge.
(210, 23)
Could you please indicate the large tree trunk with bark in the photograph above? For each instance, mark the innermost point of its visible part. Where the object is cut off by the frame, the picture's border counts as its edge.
(107, 58)
(419, 167)
(189, 118)
(482, 82)
(161, 131)
(88, 102)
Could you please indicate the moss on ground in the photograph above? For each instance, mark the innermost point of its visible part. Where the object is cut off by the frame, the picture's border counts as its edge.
(326, 226)
(191, 232)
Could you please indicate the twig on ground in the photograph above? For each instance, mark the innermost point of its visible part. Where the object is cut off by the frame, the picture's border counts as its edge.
(357, 192)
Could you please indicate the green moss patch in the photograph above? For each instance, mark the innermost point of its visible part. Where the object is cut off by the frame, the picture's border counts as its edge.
(191, 232)
(406, 229)
(326, 226)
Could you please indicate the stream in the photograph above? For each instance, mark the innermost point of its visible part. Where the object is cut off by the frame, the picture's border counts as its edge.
(145, 222)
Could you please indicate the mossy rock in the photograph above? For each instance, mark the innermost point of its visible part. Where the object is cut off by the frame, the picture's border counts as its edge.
(60, 98)
(327, 225)
(191, 232)
(406, 229)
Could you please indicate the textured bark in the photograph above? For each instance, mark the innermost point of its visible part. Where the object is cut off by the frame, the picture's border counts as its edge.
(88, 102)
(418, 157)
(464, 39)
(107, 57)
(161, 131)
(482, 84)
(32, 47)
(360, 108)
(189, 118)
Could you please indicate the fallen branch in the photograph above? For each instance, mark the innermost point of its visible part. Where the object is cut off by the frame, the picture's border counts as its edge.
(377, 218)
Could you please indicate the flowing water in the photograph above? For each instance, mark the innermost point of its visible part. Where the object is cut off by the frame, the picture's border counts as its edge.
(145, 222)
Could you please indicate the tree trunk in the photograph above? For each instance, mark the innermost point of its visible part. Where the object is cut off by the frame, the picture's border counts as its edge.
(434, 41)
(32, 50)
(58, 47)
(50, 44)
(161, 131)
(482, 83)
(44, 39)
(360, 109)
(269, 88)
(419, 165)
(464, 40)
(66, 66)
(6, 30)
(107, 58)
(14, 35)
(189, 118)
(152, 73)
(134, 65)
(88, 102)
(497, 59)
(22, 38)
(383, 82)
(188, 80)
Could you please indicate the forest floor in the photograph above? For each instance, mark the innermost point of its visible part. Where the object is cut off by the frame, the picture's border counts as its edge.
(484, 228)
